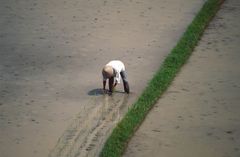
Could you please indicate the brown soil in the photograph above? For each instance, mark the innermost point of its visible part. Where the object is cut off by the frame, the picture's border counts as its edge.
(52, 53)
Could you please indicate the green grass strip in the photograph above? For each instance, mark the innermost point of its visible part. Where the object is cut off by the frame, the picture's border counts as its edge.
(116, 143)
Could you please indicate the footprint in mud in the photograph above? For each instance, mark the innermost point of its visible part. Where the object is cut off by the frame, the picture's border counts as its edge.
(229, 132)
(209, 133)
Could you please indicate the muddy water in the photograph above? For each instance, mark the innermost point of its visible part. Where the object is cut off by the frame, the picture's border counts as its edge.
(51, 55)
(86, 135)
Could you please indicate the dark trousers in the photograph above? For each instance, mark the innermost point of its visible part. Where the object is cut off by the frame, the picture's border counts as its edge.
(125, 82)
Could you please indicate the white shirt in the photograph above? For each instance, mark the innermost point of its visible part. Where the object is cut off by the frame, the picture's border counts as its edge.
(118, 66)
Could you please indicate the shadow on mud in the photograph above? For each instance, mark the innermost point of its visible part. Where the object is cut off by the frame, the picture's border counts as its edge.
(99, 91)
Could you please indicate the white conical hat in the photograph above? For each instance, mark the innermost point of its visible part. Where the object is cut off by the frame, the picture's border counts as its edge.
(107, 71)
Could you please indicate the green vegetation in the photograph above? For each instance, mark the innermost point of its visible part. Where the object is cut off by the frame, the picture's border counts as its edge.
(116, 143)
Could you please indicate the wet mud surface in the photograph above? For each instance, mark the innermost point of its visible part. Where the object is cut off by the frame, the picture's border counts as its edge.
(51, 56)
(199, 114)
(86, 135)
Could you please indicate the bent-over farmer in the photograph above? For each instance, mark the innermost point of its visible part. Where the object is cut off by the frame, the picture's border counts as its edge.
(115, 69)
